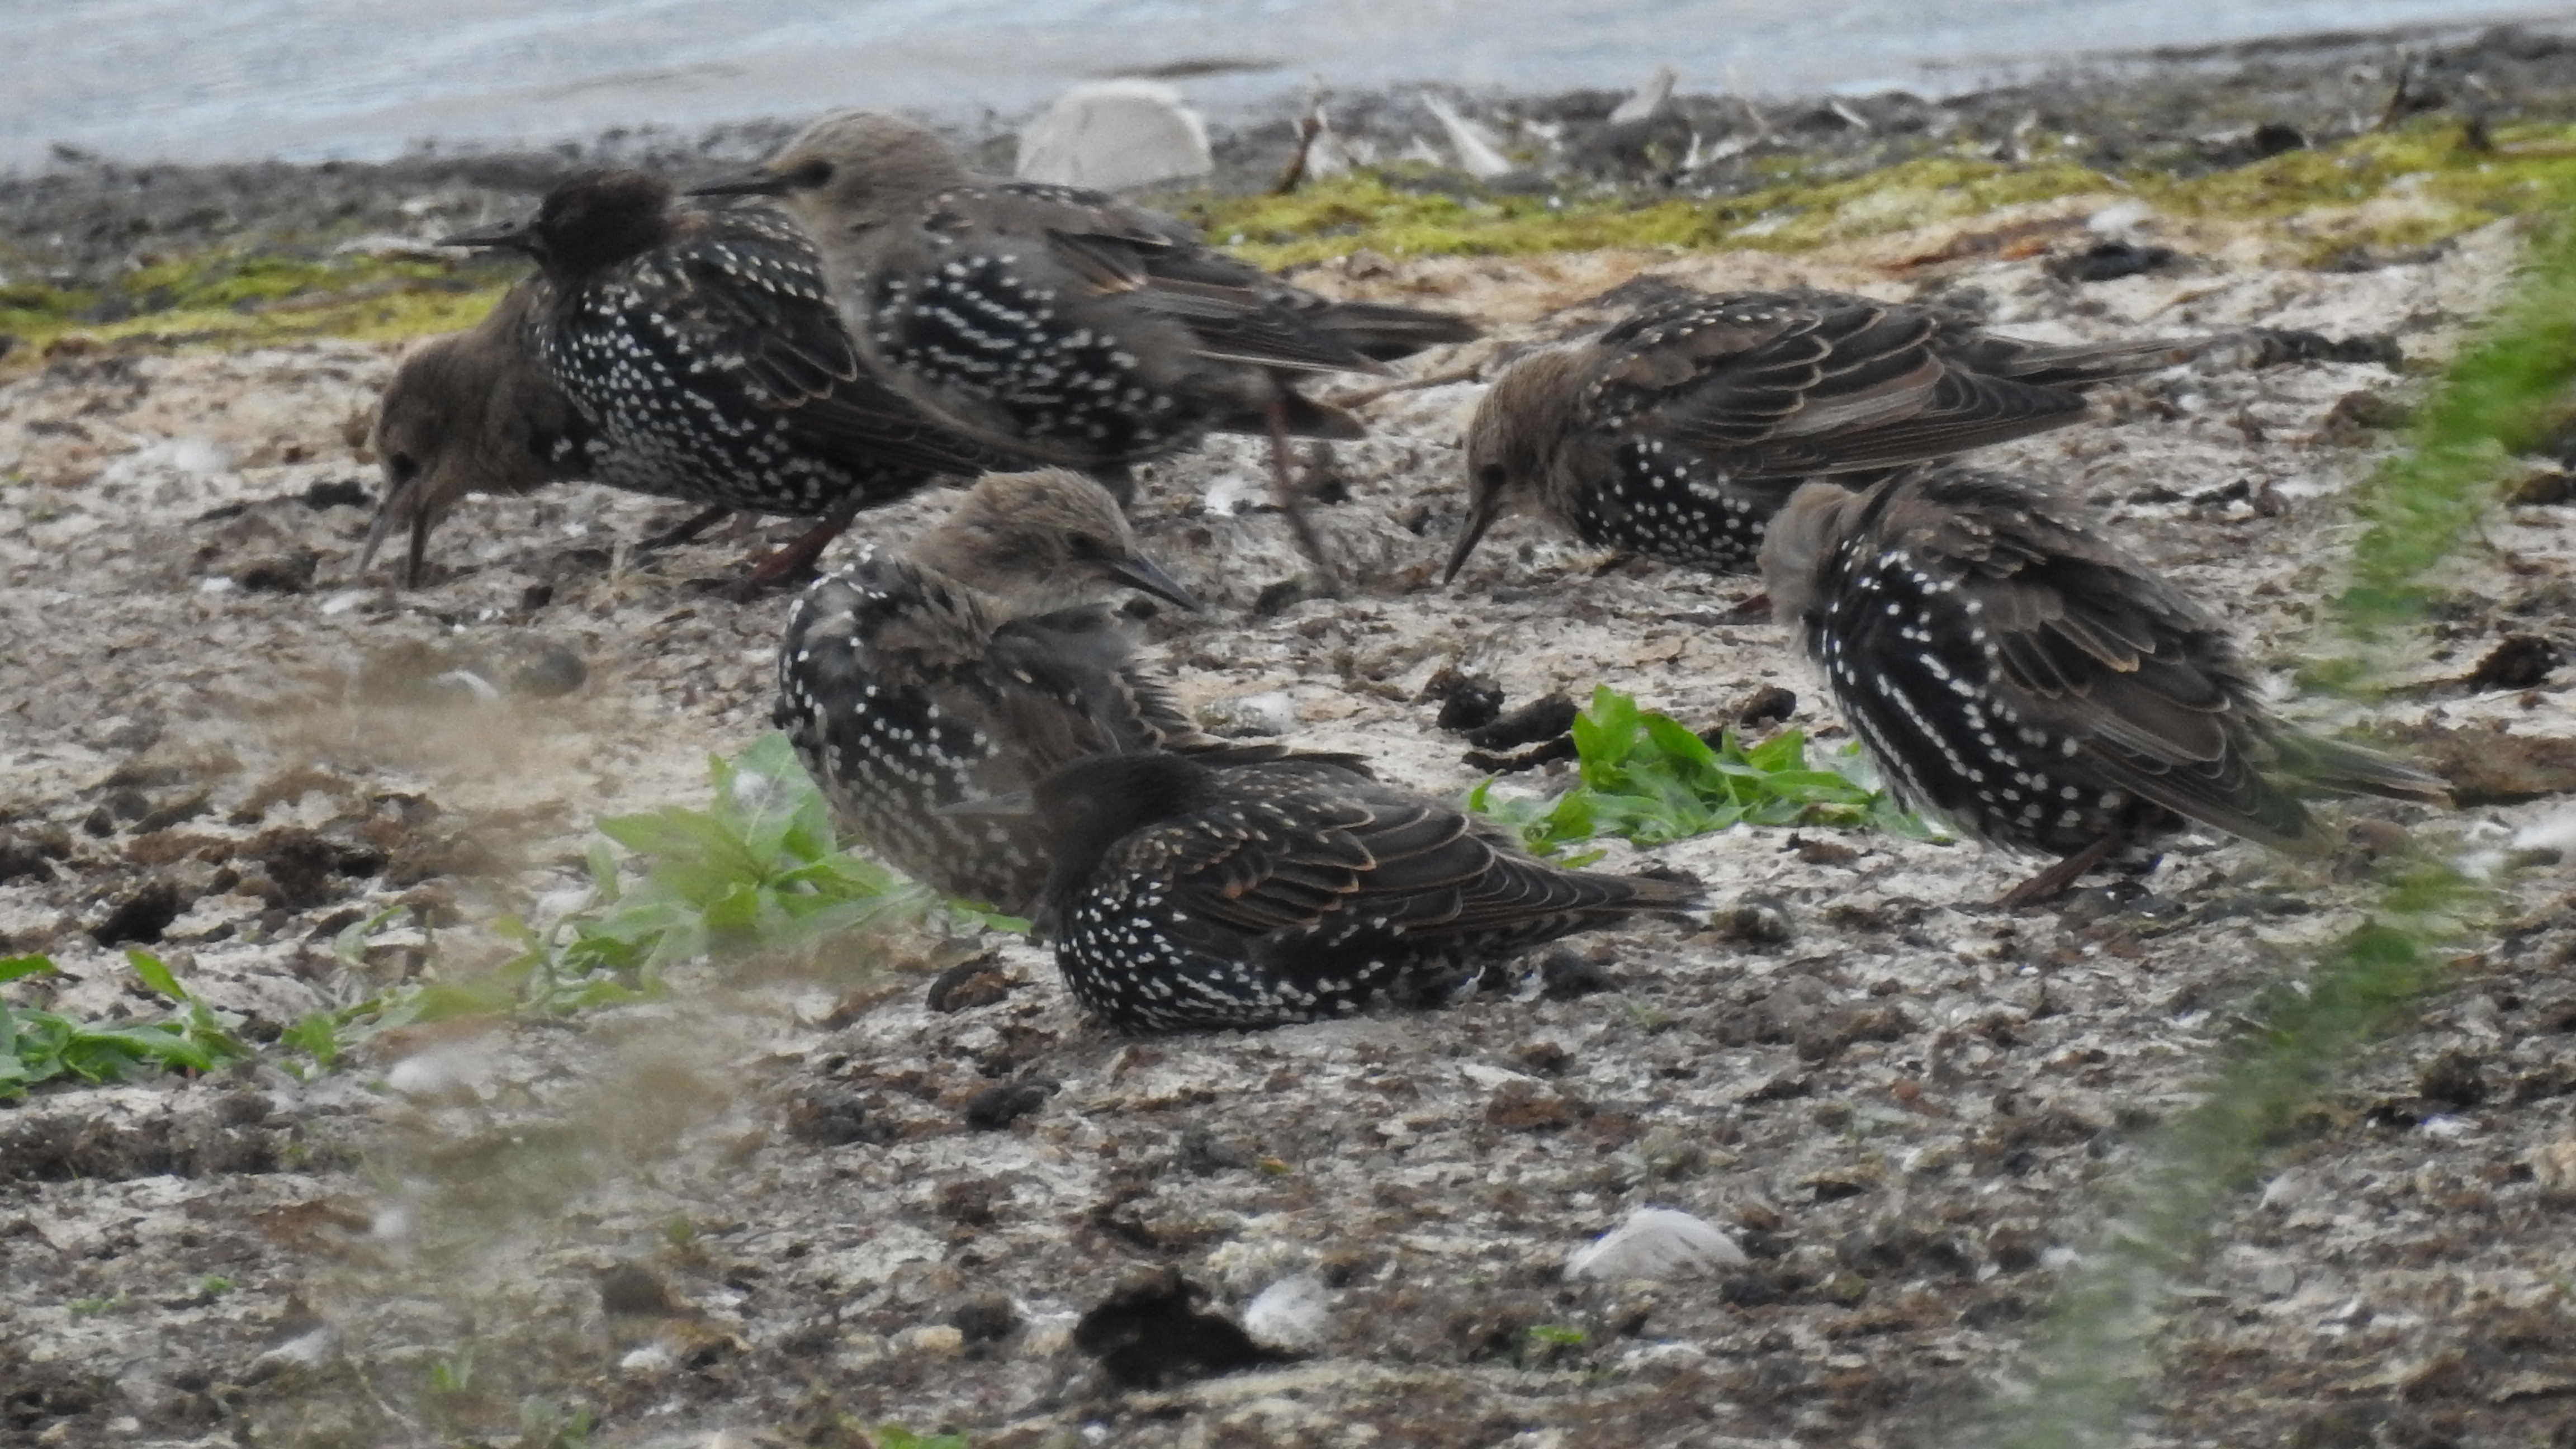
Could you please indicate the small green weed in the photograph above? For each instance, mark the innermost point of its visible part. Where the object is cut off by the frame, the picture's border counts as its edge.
(38, 1046)
(1556, 1334)
(1651, 779)
(2504, 394)
(760, 869)
(896, 1436)
(545, 1424)
(681, 1234)
(450, 1377)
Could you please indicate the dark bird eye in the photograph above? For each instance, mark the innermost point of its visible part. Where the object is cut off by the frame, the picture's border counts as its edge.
(401, 467)
(1086, 547)
(814, 173)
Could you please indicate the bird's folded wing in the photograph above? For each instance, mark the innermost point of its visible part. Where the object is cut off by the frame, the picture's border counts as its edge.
(2121, 665)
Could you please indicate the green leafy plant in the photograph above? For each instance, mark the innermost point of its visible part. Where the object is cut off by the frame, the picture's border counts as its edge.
(38, 1046)
(1651, 779)
(760, 869)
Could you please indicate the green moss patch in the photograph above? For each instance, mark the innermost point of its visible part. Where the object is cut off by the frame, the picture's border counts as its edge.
(248, 298)
(1401, 215)
(2408, 187)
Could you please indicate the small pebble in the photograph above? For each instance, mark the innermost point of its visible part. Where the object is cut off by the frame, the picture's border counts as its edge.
(1656, 1243)
(1290, 1315)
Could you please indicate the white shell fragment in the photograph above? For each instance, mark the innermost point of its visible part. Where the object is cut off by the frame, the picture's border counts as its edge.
(1479, 151)
(1113, 135)
(1650, 99)
(1656, 1243)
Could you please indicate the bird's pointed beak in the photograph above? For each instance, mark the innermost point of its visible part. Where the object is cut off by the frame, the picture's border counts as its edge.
(1143, 573)
(758, 181)
(516, 234)
(1482, 509)
(1017, 805)
(406, 505)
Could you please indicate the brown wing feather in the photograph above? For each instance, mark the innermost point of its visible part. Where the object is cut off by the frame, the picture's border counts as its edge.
(2089, 645)
(1355, 863)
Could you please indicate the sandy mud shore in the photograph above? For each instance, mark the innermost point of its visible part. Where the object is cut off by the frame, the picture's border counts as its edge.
(792, 1200)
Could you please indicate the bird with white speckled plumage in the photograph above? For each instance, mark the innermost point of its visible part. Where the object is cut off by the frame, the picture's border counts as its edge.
(967, 668)
(1190, 895)
(1679, 431)
(709, 359)
(2030, 681)
(1060, 322)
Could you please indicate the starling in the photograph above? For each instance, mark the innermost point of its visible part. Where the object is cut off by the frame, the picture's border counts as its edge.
(1679, 432)
(1059, 322)
(708, 357)
(2030, 681)
(1214, 894)
(955, 673)
(471, 412)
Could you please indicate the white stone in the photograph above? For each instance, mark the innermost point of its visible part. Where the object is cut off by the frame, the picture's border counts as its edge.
(1112, 135)
(438, 1072)
(2291, 1189)
(2118, 217)
(2550, 832)
(305, 1351)
(483, 690)
(1656, 1243)
(392, 1223)
(1290, 1314)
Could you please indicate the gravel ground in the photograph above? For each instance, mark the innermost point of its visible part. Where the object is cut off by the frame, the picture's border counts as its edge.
(788, 1201)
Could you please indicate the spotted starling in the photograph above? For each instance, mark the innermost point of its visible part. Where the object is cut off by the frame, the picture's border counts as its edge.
(1679, 432)
(1061, 322)
(2015, 672)
(704, 350)
(471, 412)
(957, 672)
(1210, 895)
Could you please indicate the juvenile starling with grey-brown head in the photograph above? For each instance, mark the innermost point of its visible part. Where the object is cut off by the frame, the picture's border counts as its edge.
(1064, 323)
(706, 353)
(1190, 895)
(958, 672)
(1680, 431)
(472, 412)
(2023, 677)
